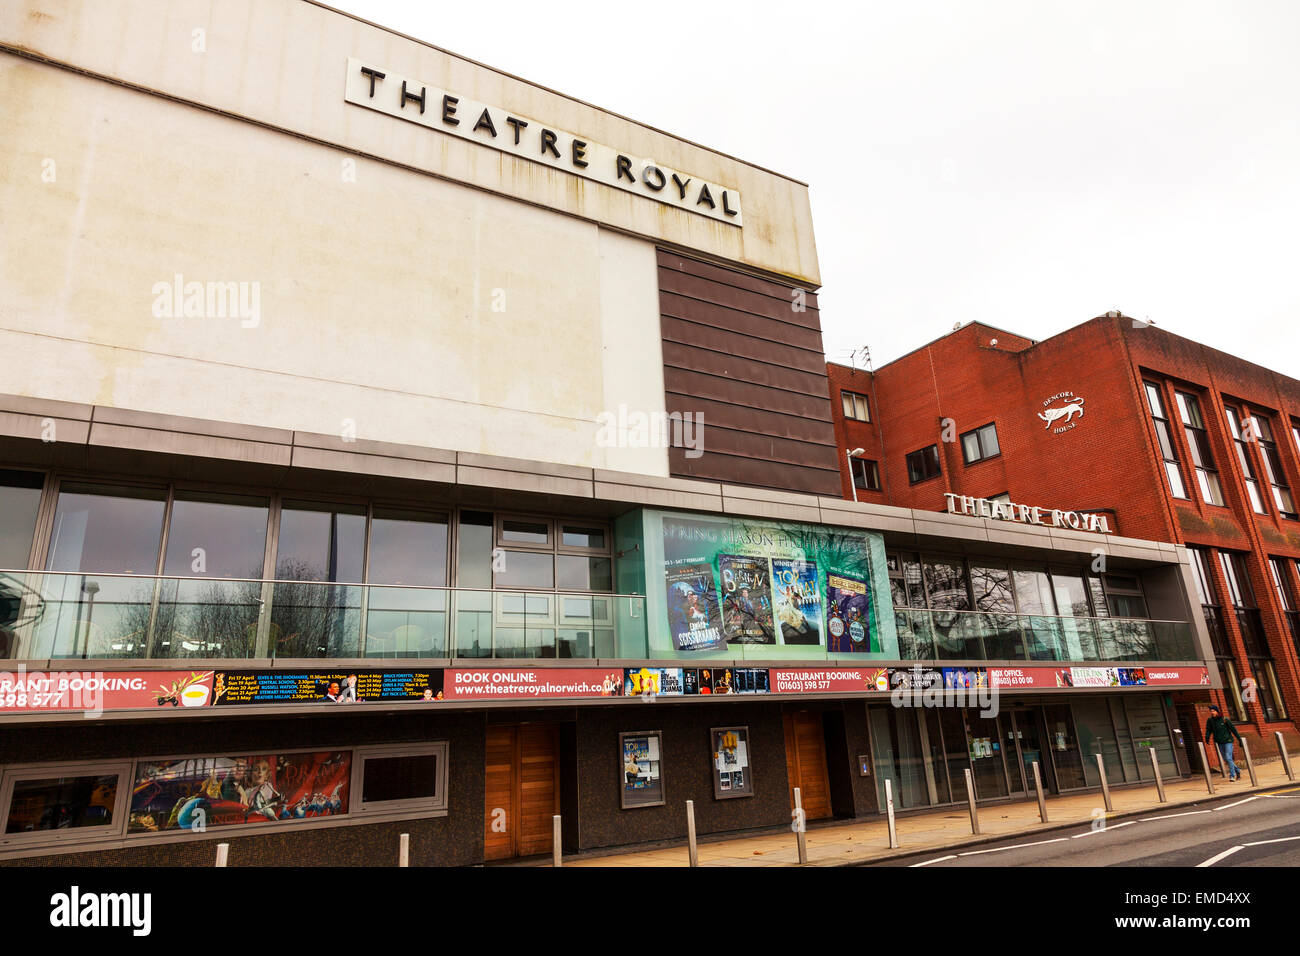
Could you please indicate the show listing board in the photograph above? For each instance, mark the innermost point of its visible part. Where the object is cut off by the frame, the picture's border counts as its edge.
(757, 588)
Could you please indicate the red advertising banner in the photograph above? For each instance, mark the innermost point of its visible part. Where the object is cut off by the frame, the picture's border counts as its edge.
(501, 684)
(830, 680)
(1184, 676)
(1011, 678)
(97, 691)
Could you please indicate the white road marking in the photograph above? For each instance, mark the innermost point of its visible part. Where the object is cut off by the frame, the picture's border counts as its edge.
(1115, 826)
(1170, 816)
(938, 859)
(1219, 856)
(1227, 806)
(1018, 846)
(1279, 840)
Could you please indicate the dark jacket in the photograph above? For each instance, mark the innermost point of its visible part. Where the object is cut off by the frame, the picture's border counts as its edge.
(1221, 729)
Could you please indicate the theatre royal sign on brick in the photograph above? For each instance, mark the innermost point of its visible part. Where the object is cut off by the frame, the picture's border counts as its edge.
(376, 88)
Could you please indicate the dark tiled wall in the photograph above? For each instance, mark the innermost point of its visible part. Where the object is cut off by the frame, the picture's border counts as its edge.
(456, 839)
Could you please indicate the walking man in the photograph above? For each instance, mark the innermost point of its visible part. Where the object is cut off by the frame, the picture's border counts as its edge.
(1221, 729)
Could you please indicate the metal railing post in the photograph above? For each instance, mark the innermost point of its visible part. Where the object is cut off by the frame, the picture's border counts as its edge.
(692, 850)
(1038, 785)
(1250, 764)
(1105, 785)
(970, 798)
(800, 826)
(1155, 768)
(889, 809)
(1286, 757)
(555, 841)
(223, 854)
(1205, 766)
(404, 850)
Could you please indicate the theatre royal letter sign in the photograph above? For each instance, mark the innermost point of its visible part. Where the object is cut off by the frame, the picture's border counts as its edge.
(535, 140)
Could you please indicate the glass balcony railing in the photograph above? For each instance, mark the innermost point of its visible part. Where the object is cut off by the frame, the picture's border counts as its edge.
(64, 615)
(925, 635)
(74, 615)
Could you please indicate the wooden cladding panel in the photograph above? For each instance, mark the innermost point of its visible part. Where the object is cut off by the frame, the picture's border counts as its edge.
(736, 351)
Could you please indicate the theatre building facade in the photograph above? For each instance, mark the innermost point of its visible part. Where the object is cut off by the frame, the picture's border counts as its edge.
(392, 445)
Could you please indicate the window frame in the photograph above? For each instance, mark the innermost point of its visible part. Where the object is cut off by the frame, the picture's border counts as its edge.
(436, 804)
(1165, 437)
(984, 455)
(1248, 472)
(12, 773)
(872, 471)
(848, 398)
(1197, 437)
(1270, 456)
(938, 464)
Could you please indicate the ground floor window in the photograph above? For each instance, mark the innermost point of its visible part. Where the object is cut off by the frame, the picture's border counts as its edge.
(63, 801)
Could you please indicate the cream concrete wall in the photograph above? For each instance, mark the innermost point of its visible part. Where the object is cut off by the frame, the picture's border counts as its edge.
(283, 63)
(406, 307)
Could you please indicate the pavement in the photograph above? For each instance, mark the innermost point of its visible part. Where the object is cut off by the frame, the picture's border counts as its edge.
(859, 842)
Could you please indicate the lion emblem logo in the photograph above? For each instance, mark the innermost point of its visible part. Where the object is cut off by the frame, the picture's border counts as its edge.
(1065, 412)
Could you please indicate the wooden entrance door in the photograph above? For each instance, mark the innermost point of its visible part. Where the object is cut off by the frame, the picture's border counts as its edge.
(805, 763)
(522, 789)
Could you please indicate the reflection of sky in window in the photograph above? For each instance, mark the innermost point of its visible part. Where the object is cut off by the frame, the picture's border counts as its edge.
(407, 551)
(231, 533)
(108, 533)
(20, 495)
(321, 546)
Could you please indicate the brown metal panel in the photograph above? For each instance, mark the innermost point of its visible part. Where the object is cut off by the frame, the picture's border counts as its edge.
(728, 319)
(736, 350)
(727, 365)
(753, 402)
(706, 337)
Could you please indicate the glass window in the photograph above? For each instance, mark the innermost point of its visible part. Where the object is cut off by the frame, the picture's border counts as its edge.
(526, 569)
(407, 548)
(1240, 440)
(111, 530)
(399, 778)
(855, 406)
(945, 582)
(474, 550)
(980, 444)
(1033, 591)
(320, 542)
(20, 497)
(223, 536)
(579, 573)
(525, 531)
(866, 474)
(587, 538)
(1273, 470)
(923, 465)
(992, 589)
(1165, 440)
(62, 803)
(1198, 442)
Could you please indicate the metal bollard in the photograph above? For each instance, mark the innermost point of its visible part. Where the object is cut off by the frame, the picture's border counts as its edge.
(1286, 757)
(555, 841)
(801, 825)
(223, 853)
(404, 850)
(1250, 764)
(1205, 766)
(1155, 768)
(1105, 785)
(970, 797)
(693, 851)
(889, 808)
(1038, 785)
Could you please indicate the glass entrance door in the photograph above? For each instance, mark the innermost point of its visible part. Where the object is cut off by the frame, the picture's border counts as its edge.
(1022, 729)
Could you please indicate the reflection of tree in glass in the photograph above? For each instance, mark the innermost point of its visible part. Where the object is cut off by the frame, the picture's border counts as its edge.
(311, 618)
(214, 618)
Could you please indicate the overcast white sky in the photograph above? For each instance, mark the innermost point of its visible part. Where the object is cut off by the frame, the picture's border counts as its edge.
(1029, 164)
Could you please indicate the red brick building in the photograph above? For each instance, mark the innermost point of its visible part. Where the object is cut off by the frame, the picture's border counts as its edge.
(1166, 438)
